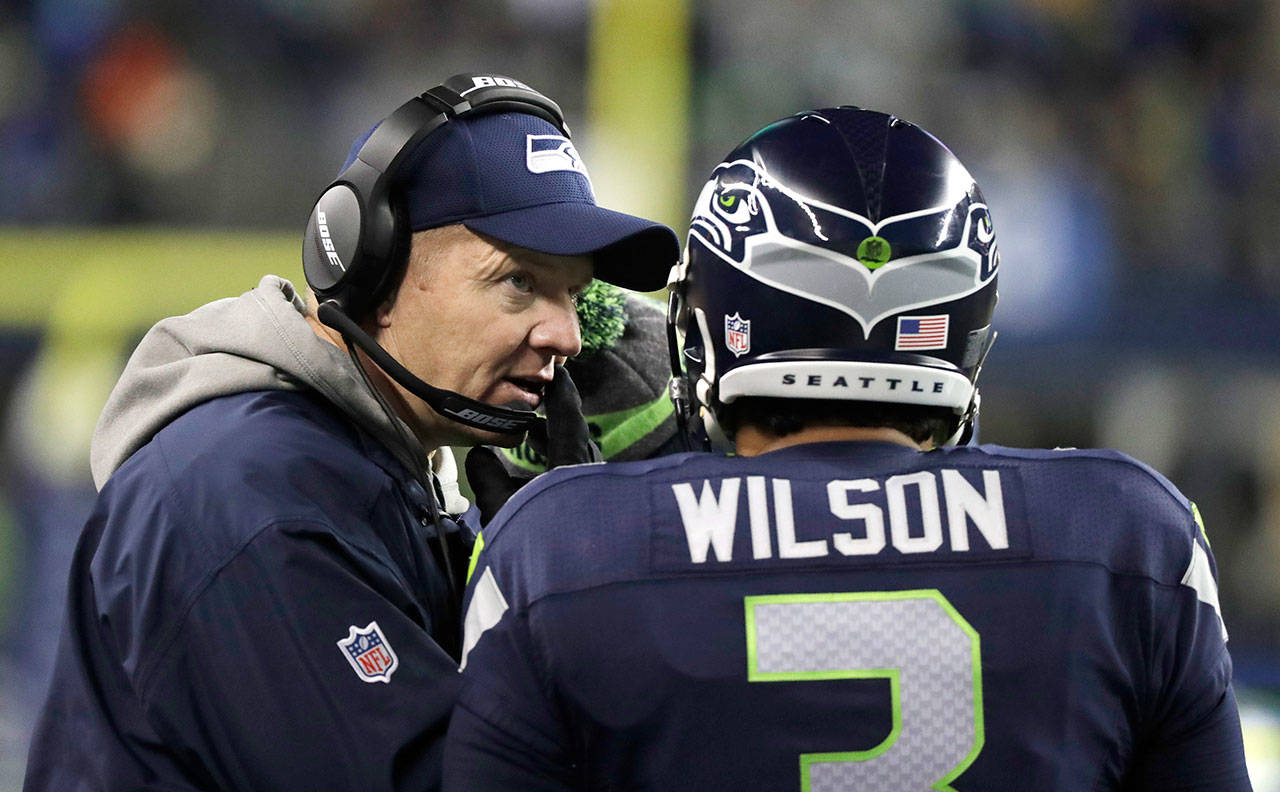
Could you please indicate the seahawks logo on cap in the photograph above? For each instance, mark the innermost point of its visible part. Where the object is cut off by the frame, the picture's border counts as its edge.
(868, 270)
(547, 153)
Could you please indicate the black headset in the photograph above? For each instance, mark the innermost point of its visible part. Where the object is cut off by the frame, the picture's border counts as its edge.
(357, 239)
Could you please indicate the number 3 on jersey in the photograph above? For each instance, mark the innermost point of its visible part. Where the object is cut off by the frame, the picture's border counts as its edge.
(916, 640)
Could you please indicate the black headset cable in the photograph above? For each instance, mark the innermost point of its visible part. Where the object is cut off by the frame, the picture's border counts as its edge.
(441, 535)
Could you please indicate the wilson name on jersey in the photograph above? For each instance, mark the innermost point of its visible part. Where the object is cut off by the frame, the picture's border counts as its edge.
(924, 512)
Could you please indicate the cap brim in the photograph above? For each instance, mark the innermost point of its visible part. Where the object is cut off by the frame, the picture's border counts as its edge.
(627, 251)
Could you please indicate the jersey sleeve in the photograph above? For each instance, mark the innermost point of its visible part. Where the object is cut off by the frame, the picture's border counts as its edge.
(1208, 755)
(295, 670)
(505, 733)
(1193, 739)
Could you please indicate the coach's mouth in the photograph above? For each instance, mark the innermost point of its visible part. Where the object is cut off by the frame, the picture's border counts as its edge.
(526, 391)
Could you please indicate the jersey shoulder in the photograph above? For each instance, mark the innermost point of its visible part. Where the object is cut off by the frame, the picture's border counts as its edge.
(580, 525)
(1101, 462)
(1104, 506)
(565, 483)
(1090, 473)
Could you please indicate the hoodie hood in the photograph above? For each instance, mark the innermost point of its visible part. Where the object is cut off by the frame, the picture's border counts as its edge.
(257, 341)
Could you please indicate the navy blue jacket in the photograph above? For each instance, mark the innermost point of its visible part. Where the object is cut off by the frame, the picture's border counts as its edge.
(847, 616)
(255, 603)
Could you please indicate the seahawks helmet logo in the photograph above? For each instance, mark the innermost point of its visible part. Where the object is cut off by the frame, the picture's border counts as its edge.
(868, 270)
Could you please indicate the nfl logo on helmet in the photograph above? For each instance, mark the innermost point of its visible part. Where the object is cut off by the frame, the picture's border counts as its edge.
(737, 334)
(369, 653)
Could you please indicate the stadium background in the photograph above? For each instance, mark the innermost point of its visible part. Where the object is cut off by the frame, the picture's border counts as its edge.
(155, 155)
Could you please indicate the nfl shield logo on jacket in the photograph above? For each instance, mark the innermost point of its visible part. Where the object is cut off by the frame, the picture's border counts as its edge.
(369, 653)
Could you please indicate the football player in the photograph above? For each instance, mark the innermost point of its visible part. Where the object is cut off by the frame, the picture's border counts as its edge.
(856, 600)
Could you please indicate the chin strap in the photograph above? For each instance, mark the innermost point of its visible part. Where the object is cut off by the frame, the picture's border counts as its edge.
(453, 406)
(689, 422)
(967, 432)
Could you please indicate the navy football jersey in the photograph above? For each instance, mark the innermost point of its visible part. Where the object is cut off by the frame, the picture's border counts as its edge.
(847, 616)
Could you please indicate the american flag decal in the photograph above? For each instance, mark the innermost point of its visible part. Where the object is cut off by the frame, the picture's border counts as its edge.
(922, 332)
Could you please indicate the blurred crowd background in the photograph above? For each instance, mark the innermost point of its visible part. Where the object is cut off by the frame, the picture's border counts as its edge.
(155, 154)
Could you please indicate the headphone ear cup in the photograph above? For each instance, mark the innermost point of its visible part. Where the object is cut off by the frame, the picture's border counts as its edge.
(331, 244)
(352, 252)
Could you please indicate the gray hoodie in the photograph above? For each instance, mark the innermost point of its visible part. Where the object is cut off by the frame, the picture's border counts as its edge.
(257, 341)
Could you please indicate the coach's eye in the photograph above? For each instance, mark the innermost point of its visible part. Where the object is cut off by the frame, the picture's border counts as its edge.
(521, 282)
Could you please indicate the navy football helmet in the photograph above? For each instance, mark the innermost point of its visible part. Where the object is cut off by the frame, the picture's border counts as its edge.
(836, 254)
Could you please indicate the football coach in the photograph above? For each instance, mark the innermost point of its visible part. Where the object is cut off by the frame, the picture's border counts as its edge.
(266, 595)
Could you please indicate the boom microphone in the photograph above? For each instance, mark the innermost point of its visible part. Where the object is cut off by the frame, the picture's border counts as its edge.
(452, 405)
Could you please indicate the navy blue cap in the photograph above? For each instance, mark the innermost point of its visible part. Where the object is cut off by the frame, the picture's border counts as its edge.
(516, 178)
